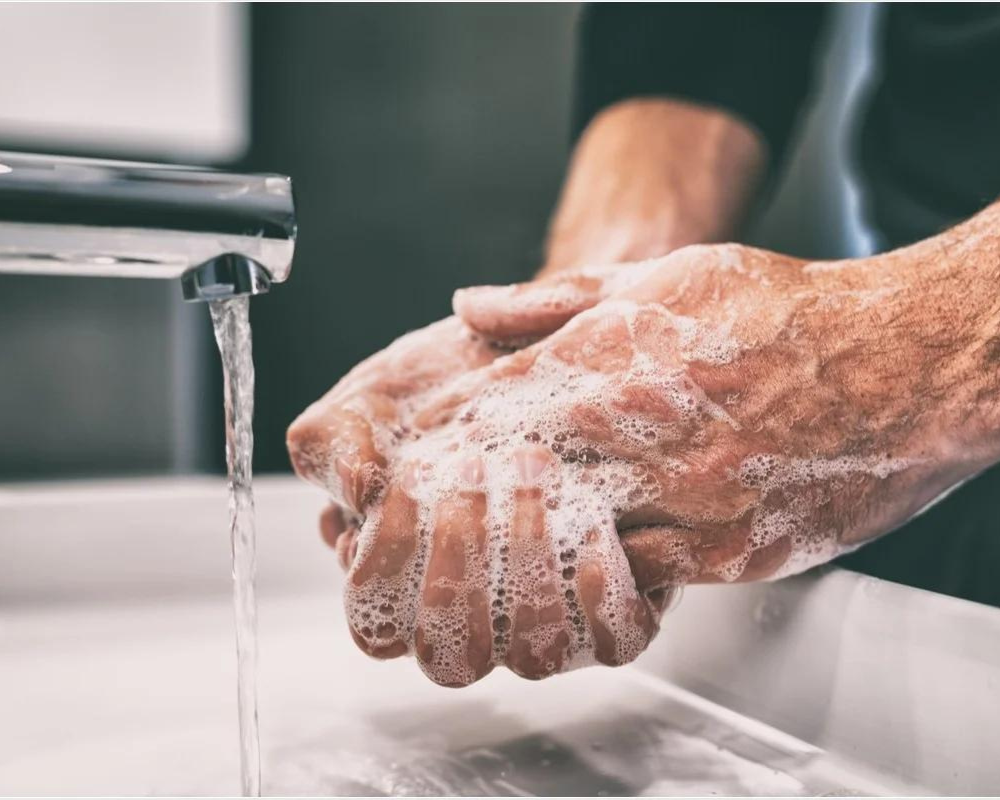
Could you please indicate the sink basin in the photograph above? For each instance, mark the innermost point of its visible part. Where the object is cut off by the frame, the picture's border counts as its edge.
(117, 675)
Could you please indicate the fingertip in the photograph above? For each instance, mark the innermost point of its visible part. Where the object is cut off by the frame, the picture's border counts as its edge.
(347, 547)
(468, 302)
(660, 556)
(767, 560)
(368, 644)
(332, 524)
(477, 306)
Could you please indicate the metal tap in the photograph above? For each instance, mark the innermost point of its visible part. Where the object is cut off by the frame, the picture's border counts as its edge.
(221, 234)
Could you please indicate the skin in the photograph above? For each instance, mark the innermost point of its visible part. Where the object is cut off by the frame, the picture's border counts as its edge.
(648, 176)
(786, 412)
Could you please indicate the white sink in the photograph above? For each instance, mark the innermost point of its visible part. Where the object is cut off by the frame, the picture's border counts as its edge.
(117, 675)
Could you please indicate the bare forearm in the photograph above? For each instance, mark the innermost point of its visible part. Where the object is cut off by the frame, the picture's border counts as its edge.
(649, 176)
(956, 285)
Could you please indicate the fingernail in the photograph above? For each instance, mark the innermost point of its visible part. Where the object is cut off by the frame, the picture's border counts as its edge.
(531, 463)
(347, 548)
(350, 478)
(479, 291)
(411, 476)
(463, 298)
(472, 471)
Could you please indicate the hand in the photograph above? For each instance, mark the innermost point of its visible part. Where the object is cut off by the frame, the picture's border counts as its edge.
(546, 503)
(841, 397)
(683, 174)
(340, 441)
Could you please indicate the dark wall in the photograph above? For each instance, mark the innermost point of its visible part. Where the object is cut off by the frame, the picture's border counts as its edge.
(86, 376)
(426, 144)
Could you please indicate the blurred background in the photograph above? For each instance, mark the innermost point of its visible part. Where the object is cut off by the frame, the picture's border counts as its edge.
(426, 143)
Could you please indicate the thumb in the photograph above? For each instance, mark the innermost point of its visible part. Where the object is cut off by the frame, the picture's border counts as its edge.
(664, 556)
(660, 556)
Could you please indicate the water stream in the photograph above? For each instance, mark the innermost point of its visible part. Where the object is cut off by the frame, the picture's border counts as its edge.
(231, 320)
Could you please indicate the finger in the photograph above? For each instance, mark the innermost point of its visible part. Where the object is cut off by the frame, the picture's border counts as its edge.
(766, 561)
(660, 557)
(454, 635)
(332, 524)
(340, 533)
(384, 579)
(539, 640)
(347, 547)
(663, 557)
(334, 447)
(621, 620)
(528, 311)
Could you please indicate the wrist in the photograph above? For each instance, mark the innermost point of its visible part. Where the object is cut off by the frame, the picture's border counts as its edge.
(649, 176)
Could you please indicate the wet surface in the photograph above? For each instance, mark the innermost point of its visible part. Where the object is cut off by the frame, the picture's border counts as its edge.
(631, 755)
(138, 700)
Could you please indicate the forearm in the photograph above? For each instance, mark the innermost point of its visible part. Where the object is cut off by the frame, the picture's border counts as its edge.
(912, 338)
(959, 280)
(649, 176)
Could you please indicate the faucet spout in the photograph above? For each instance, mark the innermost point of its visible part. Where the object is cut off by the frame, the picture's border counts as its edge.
(222, 234)
(225, 276)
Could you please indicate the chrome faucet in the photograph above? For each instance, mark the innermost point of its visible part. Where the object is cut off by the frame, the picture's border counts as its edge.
(221, 234)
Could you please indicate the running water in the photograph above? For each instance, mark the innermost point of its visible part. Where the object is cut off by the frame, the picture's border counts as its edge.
(231, 320)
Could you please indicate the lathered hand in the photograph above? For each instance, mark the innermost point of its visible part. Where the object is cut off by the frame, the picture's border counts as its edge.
(726, 414)
(342, 439)
(792, 410)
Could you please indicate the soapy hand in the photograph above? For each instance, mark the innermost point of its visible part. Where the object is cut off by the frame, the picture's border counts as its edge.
(720, 414)
(683, 174)
(344, 435)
